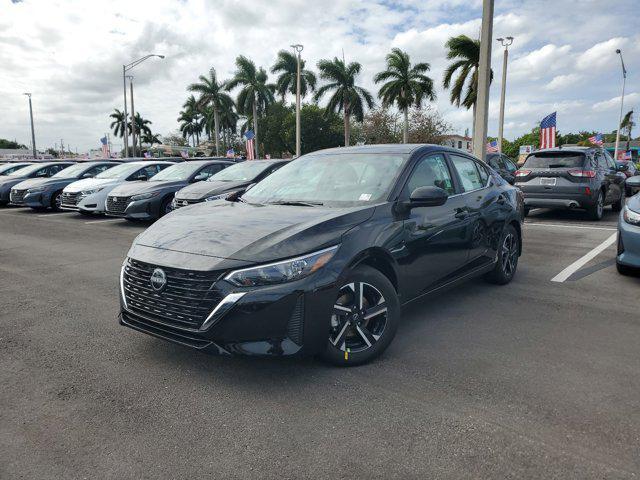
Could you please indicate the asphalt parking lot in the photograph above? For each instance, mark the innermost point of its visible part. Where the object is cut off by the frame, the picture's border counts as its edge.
(537, 379)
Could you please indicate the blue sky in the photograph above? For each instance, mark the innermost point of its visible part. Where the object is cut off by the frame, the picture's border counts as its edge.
(69, 54)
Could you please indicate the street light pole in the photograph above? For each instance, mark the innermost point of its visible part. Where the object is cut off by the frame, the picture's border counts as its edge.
(33, 135)
(624, 79)
(125, 69)
(505, 42)
(298, 49)
(484, 72)
(133, 120)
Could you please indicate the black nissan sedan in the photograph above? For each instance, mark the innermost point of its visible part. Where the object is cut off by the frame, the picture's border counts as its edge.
(151, 199)
(320, 256)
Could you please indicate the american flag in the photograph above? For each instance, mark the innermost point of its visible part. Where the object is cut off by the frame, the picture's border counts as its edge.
(231, 153)
(548, 131)
(250, 138)
(184, 154)
(105, 147)
(596, 139)
(627, 155)
(492, 147)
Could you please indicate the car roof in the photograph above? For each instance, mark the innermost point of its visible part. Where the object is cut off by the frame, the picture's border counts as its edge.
(209, 162)
(149, 161)
(572, 149)
(392, 148)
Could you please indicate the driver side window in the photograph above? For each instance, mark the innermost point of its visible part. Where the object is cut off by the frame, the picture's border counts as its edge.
(431, 171)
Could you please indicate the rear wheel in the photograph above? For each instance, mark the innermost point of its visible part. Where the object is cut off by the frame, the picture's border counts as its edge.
(597, 210)
(508, 253)
(364, 319)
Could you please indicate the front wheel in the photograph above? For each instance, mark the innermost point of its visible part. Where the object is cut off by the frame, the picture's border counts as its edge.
(165, 207)
(625, 270)
(56, 201)
(364, 319)
(508, 253)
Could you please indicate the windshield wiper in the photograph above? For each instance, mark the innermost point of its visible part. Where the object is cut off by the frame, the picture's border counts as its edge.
(298, 203)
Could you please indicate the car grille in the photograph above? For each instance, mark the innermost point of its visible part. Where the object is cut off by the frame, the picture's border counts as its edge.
(17, 196)
(185, 302)
(117, 204)
(184, 203)
(70, 199)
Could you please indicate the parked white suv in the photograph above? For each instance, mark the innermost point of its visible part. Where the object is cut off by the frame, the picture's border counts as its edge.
(87, 196)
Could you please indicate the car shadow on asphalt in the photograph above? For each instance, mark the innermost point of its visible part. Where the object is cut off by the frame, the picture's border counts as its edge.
(570, 215)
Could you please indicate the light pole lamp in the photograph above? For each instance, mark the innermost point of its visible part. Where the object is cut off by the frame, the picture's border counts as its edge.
(298, 49)
(33, 135)
(506, 43)
(484, 72)
(133, 118)
(125, 69)
(624, 79)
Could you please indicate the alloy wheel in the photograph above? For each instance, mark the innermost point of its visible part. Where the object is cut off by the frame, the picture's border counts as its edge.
(509, 255)
(359, 317)
(600, 206)
(57, 201)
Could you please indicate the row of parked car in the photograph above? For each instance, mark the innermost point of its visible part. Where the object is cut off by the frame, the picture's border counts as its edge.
(135, 190)
(317, 255)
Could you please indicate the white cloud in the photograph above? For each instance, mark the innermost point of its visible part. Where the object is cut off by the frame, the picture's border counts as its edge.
(561, 82)
(613, 104)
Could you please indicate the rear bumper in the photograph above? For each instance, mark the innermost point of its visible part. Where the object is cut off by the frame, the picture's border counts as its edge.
(628, 244)
(568, 201)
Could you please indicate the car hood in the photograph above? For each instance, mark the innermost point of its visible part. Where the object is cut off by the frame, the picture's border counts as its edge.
(90, 183)
(251, 233)
(136, 188)
(10, 181)
(40, 182)
(206, 189)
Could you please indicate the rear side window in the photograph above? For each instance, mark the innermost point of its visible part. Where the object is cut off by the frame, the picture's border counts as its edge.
(431, 171)
(509, 165)
(554, 160)
(469, 173)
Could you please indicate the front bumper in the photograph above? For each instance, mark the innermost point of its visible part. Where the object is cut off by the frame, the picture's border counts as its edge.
(33, 200)
(628, 244)
(147, 209)
(286, 319)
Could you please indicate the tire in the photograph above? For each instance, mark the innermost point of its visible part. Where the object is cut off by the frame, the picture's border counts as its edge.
(628, 192)
(508, 253)
(617, 206)
(56, 201)
(355, 339)
(526, 211)
(625, 270)
(597, 210)
(165, 207)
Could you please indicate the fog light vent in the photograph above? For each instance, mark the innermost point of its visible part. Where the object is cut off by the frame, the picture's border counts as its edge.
(296, 322)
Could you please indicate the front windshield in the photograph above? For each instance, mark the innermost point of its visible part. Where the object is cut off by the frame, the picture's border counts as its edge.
(340, 179)
(241, 172)
(178, 172)
(11, 167)
(119, 171)
(73, 171)
(26, 171)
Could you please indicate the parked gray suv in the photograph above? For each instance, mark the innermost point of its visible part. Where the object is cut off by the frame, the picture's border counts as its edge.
(576, 177)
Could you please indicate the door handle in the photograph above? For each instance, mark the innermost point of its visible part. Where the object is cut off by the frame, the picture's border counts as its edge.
(461, 213)
(501, 200)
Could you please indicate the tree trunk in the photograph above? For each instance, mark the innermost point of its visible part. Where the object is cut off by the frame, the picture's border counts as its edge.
(347, 125)
(405, 134)
(473, 128)
(216, 126)
(255, 126)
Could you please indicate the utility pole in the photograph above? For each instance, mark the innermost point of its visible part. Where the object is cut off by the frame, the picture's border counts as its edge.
(33, 135)
(125, 134)
(62, 148)
(624, 79)
(298, 49)
(133, 120)
(505, 42)
(484, 72)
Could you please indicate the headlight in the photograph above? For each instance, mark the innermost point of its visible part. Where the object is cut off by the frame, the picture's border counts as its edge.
(280, 272)
(630, 216)
(36, 190)
(85, 193)
(216, 197)
(144, 196)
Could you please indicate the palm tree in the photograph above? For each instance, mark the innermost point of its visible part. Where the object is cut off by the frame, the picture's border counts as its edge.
(229, 123)
(256, 94)
(118, 124)
(141, 127)
(628, 124)
(405, 85)
(347, 97)
(212, 94)
(193, 114)
(466, 53)
(189, 125)
(287, 64)
(150, 138)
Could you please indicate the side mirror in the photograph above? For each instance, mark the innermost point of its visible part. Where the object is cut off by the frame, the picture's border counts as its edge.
(200, 177)
(249, 187)
(142, 177)
(633, 182)
(622, 168)
(86, 175)
(427, 197)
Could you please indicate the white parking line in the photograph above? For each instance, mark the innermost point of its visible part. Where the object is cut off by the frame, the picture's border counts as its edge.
(581, 262)
(557, 225)
(104, 220)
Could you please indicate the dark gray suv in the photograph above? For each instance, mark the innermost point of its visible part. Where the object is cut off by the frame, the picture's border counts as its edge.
(576, 177)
